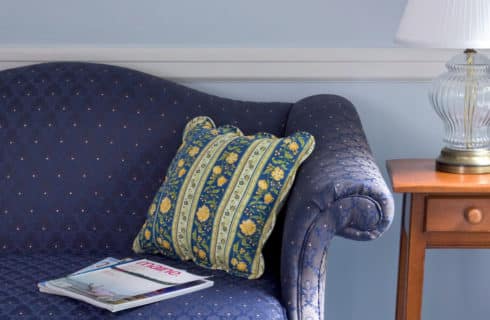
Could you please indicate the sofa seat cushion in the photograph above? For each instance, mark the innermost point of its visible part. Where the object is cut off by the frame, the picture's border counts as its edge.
(229, 298)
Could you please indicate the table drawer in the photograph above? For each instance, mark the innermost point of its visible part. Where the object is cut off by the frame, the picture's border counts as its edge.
(466, 214)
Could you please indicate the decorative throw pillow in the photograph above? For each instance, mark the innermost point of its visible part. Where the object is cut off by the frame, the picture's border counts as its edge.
(219, 201)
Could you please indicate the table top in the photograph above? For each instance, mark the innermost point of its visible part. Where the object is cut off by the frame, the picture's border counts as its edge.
(420, 176)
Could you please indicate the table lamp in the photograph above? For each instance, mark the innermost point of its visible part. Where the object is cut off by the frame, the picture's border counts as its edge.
(460, 96)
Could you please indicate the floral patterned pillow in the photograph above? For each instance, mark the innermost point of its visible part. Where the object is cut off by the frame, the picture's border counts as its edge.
(219, 201)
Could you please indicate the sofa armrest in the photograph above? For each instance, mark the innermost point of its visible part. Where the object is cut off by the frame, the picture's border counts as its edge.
(339, 190)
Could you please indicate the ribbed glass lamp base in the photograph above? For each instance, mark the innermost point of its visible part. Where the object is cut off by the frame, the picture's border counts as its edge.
(464, 161)
(461, 98)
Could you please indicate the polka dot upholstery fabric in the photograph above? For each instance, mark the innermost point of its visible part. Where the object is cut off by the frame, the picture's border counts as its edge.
(339, 190)
(84, 147)
(229, 298)
(85, 144)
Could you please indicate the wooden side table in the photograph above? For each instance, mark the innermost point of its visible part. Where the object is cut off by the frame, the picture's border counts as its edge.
(446, 211)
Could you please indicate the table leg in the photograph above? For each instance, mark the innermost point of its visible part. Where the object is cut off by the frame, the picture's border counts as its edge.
(411, 261)
(402, 264)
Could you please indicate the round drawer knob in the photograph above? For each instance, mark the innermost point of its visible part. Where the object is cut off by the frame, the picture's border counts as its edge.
(473, 215)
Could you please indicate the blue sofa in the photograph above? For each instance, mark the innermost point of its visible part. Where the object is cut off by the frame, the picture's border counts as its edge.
(84, 147)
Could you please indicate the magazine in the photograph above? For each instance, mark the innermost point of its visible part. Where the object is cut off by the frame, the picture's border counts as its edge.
(117, 285)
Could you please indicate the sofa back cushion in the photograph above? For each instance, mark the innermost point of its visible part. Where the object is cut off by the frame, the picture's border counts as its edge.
(84, 147)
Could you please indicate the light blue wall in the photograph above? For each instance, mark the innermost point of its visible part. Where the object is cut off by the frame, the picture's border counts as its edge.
(396, 115)
(210, 23)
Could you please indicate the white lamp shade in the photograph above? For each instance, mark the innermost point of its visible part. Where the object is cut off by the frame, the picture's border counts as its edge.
(457, 24)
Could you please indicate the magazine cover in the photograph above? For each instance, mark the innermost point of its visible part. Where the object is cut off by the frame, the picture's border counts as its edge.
(99, 264)
(117, 285)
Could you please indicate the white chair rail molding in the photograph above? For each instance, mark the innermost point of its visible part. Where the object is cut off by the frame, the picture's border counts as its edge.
(330, 64)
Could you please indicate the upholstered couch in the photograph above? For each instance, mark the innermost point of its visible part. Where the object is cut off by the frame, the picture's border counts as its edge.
(83, 148)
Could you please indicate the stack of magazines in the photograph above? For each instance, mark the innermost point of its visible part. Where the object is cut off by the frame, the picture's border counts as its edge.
(117, 285)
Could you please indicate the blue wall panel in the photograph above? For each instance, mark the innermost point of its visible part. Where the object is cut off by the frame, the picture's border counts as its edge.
(210, 23)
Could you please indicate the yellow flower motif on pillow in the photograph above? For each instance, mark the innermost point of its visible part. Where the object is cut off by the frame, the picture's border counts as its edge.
(234, 261)
(201, 254)
(165, 205)
(214, 132)
(152, 209)
(166, 244)
(180, 163)
(193, 151)
(203, 213)
(241, 266)
(147, 234)
(195, 249)
(181, 172)
(217, 170)
(293, 147)
(268, 198)
(232, 158)
(221, 181)
(277, 174)
(248, 227)
(263, 184)
(287, 141)
(242, 251)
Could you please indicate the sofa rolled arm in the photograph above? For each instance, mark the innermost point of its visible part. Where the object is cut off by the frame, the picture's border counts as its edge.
(339, 190)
